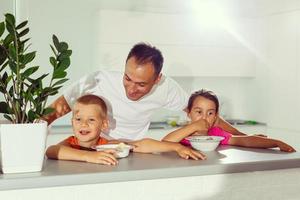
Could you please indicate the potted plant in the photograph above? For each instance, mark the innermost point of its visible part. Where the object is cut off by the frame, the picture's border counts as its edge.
(23, 134)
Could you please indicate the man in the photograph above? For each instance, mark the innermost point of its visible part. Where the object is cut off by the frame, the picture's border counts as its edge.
(131, 96)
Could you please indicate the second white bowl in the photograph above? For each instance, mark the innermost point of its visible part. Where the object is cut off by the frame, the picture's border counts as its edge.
(205, 143)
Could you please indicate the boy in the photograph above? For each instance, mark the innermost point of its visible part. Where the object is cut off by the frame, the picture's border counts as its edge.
(88, 121)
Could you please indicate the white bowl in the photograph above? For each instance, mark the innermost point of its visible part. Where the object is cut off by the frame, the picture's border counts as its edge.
(205, 143)
(122, 149)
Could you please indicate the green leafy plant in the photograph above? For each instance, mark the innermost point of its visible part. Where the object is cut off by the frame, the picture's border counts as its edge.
(25, 95)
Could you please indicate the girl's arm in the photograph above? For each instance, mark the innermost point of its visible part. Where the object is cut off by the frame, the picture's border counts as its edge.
(148, 145)
(200, 126)
(227, 127)
(63, 151)
(259, 142)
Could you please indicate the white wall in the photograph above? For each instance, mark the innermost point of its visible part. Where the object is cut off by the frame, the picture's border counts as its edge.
(279, 73)
(79, 26)
(73, 24)
(7, 6)
(270, 35)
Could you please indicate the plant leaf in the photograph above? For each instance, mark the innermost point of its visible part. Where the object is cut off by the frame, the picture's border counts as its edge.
(48, 110)
(4, 65)
(4, 78)
(53, 61)
(8, 117)
(10, 23)
(12, 65)
(8, 39)
(31, 115)
(55, 41)
(12, 52)
(35, 81)
(21, 25)
(60, 82)
(24, 32)
(28, 57)
(10, 19)
(63, 46)
(4, 107)
(2, 28)
(3, 54)
(53, 49)
(64, 55)
(24, 41)
(30, 71)
(64, 64)
(59, 74)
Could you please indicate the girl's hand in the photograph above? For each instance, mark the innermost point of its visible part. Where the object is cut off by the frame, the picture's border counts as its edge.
(186, 153)
(201, 126)
(105, 157)
(285, 147)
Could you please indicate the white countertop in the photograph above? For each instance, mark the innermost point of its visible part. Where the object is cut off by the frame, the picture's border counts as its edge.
(151, 166)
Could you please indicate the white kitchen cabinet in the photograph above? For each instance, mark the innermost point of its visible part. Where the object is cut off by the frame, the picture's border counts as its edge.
(190, 47)
(101, 38)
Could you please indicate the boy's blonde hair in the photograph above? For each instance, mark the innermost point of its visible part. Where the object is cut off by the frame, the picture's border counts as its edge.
(96, 100)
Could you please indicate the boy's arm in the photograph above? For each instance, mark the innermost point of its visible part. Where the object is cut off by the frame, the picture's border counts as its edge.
(201, 126)
(61, 108)
(148, 145)
(259, 142)
(63, 151)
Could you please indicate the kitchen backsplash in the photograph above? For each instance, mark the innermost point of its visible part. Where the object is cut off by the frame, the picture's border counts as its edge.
(235, 96)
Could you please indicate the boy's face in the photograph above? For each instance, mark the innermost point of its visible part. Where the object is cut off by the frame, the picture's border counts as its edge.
(203, 108)
(138, 79)
(88, 123)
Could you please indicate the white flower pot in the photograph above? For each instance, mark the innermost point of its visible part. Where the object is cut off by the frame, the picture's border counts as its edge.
(22, 147)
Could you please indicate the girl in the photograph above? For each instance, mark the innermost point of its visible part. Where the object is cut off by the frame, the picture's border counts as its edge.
(203, 110)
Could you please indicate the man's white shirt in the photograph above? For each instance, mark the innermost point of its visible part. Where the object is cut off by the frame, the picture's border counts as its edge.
(128, 119)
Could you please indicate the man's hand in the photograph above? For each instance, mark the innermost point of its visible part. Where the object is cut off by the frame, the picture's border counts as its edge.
(60, 106)
(145, 145)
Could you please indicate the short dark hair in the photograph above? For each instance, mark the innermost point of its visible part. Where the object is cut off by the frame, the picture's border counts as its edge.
(146, 53)
(206, 94)
(93, 99)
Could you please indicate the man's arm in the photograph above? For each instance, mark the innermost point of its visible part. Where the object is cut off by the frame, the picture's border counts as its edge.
(148, 145)
(227, 127)
(61, 108)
